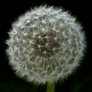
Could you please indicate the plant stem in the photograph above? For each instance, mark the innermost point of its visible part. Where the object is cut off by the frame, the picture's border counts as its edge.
(50, 87)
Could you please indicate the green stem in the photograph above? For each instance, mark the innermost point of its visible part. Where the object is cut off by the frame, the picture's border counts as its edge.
(50, 87)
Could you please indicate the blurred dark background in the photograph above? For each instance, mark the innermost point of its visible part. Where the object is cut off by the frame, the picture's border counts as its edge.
(80, 80)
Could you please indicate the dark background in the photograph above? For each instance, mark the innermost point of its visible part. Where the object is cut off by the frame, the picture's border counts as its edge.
(80, 81)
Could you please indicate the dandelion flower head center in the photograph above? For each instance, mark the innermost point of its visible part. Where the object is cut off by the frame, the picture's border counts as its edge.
(46, 44)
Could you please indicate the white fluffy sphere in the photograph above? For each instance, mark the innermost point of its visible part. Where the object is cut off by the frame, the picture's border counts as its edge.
(45, 44)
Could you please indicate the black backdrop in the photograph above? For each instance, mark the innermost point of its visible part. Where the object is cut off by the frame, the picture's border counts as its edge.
(80, 81)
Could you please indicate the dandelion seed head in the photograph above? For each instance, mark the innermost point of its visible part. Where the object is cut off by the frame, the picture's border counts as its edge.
(45, 44)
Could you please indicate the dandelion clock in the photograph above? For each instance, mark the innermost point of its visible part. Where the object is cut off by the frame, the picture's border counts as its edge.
(45, 45)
